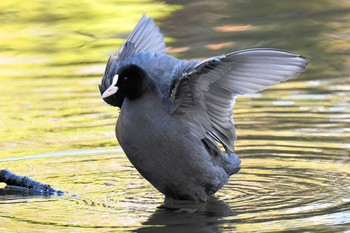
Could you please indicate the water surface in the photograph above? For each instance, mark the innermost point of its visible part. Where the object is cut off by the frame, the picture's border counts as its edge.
(293, 139)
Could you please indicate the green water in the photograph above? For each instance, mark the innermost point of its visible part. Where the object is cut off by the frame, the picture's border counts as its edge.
(293, 139)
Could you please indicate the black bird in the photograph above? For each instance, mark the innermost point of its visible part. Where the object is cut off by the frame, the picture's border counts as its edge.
(177, 115)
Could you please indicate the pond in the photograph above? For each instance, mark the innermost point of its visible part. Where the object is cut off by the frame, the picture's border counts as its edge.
(293, 139)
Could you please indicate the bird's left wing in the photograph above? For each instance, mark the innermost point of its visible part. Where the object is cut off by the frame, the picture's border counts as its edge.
(214, 84)
(145, 37)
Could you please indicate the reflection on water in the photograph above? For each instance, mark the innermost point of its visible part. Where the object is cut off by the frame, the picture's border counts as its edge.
(180, 216)
(293, 139)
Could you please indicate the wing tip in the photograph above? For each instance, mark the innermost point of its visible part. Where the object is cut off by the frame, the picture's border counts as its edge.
(302, 63)
(145, 36)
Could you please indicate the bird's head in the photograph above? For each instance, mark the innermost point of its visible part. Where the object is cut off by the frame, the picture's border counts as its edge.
(128, 82)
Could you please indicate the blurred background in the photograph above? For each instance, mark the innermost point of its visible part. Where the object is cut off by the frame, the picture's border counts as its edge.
(293, 139)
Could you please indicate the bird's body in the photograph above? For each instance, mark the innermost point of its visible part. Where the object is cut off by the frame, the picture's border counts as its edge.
(170, 154)
(177, 115)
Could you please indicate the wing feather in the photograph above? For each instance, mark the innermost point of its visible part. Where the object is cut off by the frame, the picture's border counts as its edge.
(145, 37)
(215, 83)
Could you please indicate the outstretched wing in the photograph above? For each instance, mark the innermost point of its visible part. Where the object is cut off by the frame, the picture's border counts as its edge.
(214, 84)
(145, 37)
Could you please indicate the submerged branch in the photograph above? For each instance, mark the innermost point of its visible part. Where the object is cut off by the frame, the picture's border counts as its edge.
(12, 179)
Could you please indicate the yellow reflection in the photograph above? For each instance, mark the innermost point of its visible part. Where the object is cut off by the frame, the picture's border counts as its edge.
(235, 28)
(218, 46)
(52, 58)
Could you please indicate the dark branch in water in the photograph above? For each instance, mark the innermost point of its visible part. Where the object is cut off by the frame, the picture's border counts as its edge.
(12, 179)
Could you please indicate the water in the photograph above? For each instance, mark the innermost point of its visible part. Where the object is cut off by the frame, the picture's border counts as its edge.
(293, 139)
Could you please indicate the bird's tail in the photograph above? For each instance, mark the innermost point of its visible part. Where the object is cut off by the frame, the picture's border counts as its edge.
(233, 163)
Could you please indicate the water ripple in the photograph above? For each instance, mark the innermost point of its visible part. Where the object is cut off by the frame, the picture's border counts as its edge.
(282, 189)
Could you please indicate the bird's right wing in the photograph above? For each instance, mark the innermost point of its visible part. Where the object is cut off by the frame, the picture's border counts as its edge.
(214, 84)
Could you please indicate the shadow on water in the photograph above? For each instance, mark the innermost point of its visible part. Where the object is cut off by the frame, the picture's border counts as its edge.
(185, 216)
